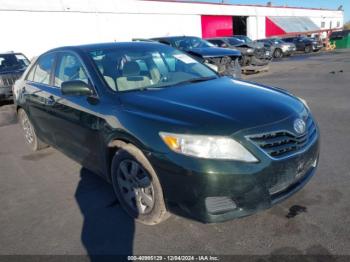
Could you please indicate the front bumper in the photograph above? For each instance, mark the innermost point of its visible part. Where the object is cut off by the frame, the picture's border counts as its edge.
(316, 47)
(289, 51)
(190, 186)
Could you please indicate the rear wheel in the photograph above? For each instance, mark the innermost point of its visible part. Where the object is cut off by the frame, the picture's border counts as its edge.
(137, 186)
(29, 133)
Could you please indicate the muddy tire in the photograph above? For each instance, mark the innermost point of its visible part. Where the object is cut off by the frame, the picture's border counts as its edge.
(137, 187)
(31, 139)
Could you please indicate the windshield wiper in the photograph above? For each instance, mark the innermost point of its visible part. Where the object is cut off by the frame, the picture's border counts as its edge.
(196, 80)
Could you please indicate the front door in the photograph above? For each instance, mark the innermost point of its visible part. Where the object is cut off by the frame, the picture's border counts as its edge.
(77, 123)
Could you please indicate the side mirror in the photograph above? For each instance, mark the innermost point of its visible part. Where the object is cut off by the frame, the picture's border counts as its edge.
(76, 88)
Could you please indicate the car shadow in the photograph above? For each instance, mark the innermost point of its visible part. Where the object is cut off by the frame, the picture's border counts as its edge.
(107, 229)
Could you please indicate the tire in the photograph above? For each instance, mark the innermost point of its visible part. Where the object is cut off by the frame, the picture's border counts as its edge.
(137, 186)
(31, 139)
(278, 53)
(307, 49)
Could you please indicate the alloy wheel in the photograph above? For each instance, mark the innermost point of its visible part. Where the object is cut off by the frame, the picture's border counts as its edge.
(28, 129)
(278, 53)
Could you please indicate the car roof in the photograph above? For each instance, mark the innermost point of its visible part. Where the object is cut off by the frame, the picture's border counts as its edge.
(96, 46)
(220, 38)
(175, 37)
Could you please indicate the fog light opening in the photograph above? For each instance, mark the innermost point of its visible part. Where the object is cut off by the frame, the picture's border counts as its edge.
(219, 205)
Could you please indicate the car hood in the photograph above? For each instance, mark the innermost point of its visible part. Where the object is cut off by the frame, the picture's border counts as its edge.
(255, 45)
(12, 72)
(206, 52)
(219, 106)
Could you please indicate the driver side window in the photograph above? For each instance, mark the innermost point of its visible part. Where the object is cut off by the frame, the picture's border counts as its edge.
(69, 68)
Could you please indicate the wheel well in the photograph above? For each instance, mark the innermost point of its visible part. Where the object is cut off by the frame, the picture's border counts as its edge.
(112, 147)
(18, 108)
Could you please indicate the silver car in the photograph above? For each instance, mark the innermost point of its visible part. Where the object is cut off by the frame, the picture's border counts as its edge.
(279, 47)
(12, 66)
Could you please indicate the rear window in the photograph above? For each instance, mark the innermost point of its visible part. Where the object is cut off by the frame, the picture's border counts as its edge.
(10, 62)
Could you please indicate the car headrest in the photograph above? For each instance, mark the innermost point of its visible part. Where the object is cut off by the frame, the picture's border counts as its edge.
(131, 69)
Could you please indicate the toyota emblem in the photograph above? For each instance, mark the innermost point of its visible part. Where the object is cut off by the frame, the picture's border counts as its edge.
(299, 126)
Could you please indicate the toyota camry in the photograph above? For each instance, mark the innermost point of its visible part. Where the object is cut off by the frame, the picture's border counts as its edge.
(168, 133)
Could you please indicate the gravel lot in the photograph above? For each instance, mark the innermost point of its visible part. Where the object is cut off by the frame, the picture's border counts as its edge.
(50, 205)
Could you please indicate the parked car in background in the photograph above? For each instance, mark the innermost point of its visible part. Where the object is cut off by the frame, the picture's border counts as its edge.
(167, 132)
(250, 54)
(12, 65)
(224, 61)
(261, 51)
(279, 47)
(304, 44)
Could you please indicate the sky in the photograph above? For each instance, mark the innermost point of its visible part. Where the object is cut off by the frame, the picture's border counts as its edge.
(333, 4)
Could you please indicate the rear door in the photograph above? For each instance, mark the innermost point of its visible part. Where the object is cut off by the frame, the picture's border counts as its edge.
(39, 98)
(299, 43)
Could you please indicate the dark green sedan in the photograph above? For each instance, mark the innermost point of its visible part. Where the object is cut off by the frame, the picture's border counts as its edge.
(167, 132)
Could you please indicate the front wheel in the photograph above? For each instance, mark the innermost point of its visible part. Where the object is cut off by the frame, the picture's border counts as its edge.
(137, 186)
(30, 136)
(278, 53)
(308, 49)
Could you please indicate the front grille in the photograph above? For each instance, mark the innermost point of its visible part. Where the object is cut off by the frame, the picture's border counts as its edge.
(283, 143)
(8, 80)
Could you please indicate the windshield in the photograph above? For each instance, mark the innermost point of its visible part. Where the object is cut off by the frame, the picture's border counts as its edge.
(187, 43)
(12, 62)
(244, 39)
(278, 41)
(148, 66)
(234, 41)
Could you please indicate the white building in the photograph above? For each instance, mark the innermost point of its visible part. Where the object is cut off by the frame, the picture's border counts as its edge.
(33, 26)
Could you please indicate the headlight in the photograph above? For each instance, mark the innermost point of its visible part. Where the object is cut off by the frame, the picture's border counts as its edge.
(285, 47)
(209, 147)
(250, 50)
(304, 102)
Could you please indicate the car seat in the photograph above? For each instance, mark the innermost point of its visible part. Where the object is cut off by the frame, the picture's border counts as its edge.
(132, 79)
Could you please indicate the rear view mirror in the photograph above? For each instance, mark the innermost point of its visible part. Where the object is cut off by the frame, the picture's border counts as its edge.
(224, 45)
(76, 88)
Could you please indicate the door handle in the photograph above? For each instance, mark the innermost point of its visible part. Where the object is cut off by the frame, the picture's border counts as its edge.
(50, 100)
